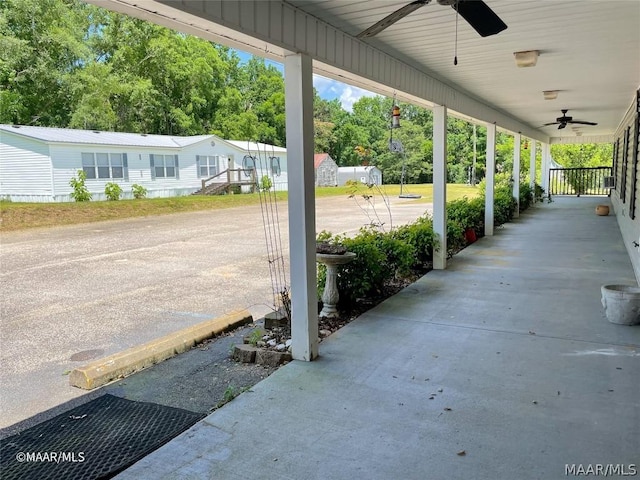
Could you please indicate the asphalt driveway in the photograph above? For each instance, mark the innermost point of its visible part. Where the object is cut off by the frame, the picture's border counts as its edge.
(74, 294)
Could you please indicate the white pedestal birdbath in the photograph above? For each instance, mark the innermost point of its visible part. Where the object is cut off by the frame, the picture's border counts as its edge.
(330, 295)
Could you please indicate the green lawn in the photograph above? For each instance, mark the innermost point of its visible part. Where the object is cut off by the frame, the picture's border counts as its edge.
(18, 216)
(454, 191)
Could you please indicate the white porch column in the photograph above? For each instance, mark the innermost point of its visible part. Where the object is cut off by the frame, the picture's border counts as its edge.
(532, 165)
(440, 186)
(517, 138)
(546, 161)
(490, 174)
(302, 215)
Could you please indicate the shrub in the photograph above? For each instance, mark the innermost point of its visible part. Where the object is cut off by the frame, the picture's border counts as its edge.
(467, 213)
(138, 191)
(265, 183)
(80, 192)
(504, 205)
(365, 275)
(526, 196)
(419, 235)
(112, 191)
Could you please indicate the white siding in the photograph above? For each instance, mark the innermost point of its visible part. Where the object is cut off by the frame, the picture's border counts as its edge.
(25, 167)
(630, 228)
(359, 174)
(37, 170)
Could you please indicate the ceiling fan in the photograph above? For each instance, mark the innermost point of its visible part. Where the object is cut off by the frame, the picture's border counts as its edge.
(475, 12)
(564, 120)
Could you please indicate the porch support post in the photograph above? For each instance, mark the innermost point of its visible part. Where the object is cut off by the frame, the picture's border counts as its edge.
(532, 166)
(546, 163)
(302, 216)
(517, 138)
(490, 173)
(440, 186)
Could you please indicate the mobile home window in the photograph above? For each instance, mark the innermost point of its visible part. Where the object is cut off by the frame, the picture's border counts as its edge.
(207, 165)
(164, 166)
(104, 165)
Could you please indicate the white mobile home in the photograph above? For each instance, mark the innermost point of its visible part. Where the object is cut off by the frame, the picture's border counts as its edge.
(370, 175)
(36, 163)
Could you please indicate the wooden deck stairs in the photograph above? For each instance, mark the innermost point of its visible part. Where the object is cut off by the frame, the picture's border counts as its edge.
(235, 178)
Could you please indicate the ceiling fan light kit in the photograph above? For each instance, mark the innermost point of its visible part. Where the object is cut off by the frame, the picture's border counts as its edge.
(527, 58)
(550, 94)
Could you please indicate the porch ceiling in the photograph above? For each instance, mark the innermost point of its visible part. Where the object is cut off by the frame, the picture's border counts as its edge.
(589, 52)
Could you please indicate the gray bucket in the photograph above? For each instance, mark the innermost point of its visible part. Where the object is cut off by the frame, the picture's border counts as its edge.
(621, 304)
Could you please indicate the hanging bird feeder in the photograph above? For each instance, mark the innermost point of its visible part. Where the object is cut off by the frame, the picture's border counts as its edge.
(395, 117)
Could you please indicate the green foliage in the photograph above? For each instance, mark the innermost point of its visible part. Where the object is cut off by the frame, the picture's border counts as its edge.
(467, 213)
(80, 191)
(230, 393)
(138, 191)
(112, 191)
(255, 336)
(365, 275)
(526, 196)
(455, 237)
(504, 205)
(418, 235)
(265, 183)
(583, 155)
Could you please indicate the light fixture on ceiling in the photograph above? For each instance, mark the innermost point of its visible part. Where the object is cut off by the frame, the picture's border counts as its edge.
(526, 58)
(550, 94)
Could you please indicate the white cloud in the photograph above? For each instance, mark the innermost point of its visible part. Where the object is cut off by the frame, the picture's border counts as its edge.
(351, 95)
(329, 89)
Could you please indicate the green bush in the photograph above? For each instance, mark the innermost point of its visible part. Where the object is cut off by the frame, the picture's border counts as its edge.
(80, 192)
(467, 213)
(112, 191)
(504, 205)
(419, 235)
(526, 196)
(265, 183)
(138, 191)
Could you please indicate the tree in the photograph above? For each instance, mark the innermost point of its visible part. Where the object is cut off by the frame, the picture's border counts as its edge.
(41, 47)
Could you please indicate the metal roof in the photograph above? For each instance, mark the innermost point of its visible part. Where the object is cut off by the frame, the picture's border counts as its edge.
(95, 137)
(253, 147)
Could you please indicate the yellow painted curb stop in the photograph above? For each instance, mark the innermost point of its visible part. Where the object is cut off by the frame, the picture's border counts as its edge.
(124, 363)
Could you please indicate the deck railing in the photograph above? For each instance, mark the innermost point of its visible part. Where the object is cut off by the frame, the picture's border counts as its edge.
(587, 181)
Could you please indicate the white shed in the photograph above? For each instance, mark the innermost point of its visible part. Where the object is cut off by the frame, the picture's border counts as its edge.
(36, 163)
(370, 175)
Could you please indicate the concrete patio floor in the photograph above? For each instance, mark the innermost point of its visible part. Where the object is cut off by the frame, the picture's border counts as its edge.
(506, 355)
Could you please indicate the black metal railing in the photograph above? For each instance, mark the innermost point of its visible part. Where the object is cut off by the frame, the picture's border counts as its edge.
(579, 181)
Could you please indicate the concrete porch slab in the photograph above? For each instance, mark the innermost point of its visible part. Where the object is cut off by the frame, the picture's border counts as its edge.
(507, 356)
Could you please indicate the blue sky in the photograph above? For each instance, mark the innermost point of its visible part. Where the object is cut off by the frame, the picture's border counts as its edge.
(327, 88)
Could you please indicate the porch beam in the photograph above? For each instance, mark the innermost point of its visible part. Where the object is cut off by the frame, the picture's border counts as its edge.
(298, 78)
(490, 174)
(440, 186)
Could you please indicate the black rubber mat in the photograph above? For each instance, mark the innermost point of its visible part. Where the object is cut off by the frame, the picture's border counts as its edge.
(96, 440)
